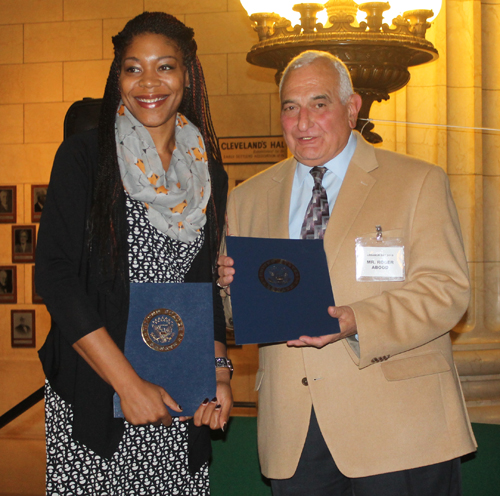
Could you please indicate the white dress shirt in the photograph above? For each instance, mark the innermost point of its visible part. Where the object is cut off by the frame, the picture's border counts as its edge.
(303, 184)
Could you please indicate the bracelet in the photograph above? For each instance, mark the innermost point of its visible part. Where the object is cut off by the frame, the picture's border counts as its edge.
(226, 363)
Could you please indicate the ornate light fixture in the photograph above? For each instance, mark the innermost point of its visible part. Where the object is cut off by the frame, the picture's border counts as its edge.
(377, 54)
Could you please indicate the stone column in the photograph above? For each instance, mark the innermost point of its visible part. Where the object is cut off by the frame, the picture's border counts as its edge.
(477, 352)
(462, 90)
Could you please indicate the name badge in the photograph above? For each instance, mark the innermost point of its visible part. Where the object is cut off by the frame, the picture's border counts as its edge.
(380, 259)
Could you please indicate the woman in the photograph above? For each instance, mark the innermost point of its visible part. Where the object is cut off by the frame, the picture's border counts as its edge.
(134, 201)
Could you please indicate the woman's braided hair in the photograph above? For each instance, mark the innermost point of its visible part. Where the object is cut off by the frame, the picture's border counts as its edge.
(105, 218)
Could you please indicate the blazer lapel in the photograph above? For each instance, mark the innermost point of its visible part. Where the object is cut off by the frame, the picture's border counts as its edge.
(278, 200)
(355, 188)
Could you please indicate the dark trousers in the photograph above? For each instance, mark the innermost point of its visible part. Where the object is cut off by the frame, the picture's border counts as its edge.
(318, 475)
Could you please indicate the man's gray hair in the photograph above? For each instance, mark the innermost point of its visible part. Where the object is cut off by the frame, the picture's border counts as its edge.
(307, 58)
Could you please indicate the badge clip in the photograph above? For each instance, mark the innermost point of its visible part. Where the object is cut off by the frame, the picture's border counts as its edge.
(380, 259)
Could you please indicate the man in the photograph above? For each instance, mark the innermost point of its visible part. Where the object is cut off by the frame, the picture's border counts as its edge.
(22, 329)
(41, 195)
(4, 284)
(24, 246)
(5, 206)
(376, 410)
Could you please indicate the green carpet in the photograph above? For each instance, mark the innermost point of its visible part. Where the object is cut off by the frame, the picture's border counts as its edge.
(234, 470)
(481, 470)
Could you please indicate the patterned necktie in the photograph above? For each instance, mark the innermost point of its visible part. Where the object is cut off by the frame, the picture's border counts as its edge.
(317, 213)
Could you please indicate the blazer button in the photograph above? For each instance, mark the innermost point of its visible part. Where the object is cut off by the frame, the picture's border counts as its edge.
(304, 382)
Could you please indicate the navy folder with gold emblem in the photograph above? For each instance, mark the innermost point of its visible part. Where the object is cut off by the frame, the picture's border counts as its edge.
(170, 341)
(281, 289)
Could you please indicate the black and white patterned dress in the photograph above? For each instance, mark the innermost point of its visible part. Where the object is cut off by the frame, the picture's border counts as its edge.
(150, 461)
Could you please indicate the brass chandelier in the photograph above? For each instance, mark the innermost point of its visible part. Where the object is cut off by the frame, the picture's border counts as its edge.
(376, 53)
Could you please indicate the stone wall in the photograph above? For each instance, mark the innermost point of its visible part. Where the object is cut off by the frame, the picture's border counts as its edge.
(54, 52)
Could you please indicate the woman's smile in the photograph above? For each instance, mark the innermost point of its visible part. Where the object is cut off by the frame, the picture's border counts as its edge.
(152, 82)
(151, 101)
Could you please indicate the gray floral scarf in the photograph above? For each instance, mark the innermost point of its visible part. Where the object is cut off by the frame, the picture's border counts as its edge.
(176, 200)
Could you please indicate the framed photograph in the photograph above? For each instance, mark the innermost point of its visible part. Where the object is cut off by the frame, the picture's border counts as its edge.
(8, 284)
(35, 297)
(23, 328)
(8, 203)
(38, 195)
(23, 244)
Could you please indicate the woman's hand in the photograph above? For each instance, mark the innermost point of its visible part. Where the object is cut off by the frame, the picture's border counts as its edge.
(145, 403)
(142, 402)
(215, 413)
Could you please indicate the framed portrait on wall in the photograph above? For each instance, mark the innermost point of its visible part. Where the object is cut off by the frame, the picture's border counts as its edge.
(23, 330)
(35, 297)
(38, 195)
(23, 244)
(8, 203)
(8, 284)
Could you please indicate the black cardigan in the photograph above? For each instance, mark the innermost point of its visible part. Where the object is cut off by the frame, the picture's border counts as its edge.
(81, 300)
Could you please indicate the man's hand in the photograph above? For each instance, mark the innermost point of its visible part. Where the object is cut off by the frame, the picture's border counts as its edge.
(225, 271)
(348, 327)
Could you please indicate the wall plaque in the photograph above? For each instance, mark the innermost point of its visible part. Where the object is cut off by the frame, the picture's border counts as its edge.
(253, 150)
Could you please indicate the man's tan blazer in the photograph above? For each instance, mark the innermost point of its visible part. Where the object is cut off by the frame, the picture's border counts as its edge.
(393, 400)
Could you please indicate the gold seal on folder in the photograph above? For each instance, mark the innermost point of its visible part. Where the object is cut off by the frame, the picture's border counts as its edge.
(162, 330)
(278, 275)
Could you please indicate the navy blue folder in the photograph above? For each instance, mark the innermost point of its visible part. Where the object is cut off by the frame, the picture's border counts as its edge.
(281, 290)
(177, 318)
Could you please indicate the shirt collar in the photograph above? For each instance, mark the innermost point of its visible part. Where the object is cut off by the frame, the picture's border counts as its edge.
(338, 165)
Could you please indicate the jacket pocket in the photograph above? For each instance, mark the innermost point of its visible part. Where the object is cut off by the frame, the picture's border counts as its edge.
(415, 366)
(258, 379)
